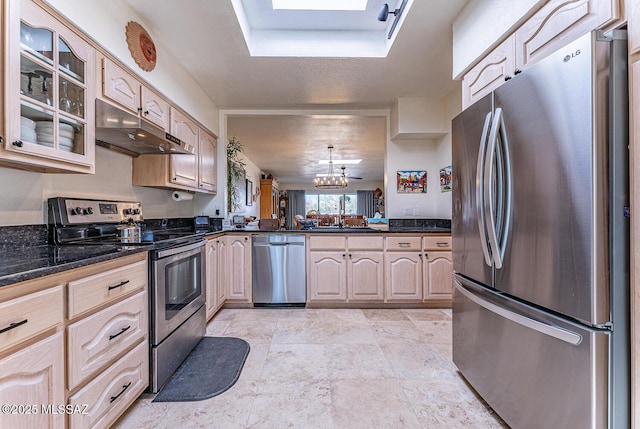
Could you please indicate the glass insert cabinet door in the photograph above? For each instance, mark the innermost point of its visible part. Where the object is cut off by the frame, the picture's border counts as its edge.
(53, 89)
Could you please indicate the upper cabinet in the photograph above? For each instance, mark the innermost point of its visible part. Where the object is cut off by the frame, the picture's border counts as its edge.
(633, 16)
(121, 87)
(184, 168)
(557, 23)
(207, 166)
(196, 172)
(48, 109)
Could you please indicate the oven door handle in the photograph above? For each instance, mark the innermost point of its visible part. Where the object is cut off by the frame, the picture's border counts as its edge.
(180, 249)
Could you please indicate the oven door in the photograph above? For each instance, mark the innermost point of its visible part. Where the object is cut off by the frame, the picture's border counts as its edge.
(177, 287)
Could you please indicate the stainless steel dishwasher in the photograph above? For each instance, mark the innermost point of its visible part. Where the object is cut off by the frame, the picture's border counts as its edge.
(278, 272)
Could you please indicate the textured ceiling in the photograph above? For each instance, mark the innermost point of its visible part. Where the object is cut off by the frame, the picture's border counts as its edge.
(205, 37)
(289, 147)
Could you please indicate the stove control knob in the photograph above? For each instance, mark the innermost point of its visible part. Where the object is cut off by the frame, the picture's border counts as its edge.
(127, 212)
(76, 211)
(136, 211)
(88, 211)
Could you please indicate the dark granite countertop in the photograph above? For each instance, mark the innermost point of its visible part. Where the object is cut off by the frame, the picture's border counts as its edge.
(26, 263)
(25, 254)
(336, 230)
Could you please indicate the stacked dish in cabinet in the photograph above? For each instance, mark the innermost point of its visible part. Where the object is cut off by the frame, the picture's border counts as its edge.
(27, 129)
(42, 132)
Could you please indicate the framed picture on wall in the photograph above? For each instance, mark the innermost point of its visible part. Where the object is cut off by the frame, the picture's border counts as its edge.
(249, 193)
(445, 179)
(411, 182)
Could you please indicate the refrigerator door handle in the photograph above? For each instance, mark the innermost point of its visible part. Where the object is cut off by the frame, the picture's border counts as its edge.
(505, 190)
(553, 331)
(504, 185)
(480, 190)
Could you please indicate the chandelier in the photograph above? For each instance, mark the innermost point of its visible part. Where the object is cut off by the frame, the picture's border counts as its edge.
(331, 180)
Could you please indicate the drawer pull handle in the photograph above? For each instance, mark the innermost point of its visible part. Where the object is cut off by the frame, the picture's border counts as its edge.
(125, 387)
(118, 285)
(13, 325)
(122, 331)
(404, 244)
(442, 244)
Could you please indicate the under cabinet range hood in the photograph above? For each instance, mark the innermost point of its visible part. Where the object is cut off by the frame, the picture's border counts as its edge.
(124, 132)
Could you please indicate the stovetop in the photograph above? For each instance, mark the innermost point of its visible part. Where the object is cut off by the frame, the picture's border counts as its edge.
(74, 221)
(161, 238)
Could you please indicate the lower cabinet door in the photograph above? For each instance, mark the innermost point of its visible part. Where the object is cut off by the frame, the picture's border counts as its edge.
(403, 276)
(32, 386)
(365, 280)
(327, 276)
(107, 396)
(438, 276)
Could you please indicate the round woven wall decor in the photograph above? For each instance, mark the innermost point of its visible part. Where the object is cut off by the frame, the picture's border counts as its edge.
(142, 48)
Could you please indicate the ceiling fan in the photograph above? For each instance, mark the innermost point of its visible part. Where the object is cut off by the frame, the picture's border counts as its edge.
(349, 177)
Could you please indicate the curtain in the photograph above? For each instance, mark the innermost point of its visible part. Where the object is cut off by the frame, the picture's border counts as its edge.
(365, 203)
(296, 206)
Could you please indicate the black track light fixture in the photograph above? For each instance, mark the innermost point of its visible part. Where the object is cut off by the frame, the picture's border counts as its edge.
(384, 14)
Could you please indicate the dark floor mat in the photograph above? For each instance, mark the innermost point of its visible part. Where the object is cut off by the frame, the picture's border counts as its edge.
(213, 366)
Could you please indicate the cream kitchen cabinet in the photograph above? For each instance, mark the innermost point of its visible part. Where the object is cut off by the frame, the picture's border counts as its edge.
(238, 268)
(107, 339)
(110, 394)
(633, 27)
(438, 270)
(207, 162)
(327, 276)
(184, 168)
(33, 378)
(403, 278)
(48, 122)
(438, 276)
(403, 268)
(365, 268)
(557, 23)
(489, 73)
(346, 268)
(196, 172)
(128, 92)
(215, 281)
(327, 268)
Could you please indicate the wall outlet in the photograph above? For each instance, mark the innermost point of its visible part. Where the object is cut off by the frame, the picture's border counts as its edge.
(408, 211)
(416, 211)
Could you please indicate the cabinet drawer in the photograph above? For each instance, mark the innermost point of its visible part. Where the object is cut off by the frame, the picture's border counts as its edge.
(436, 243)
(365, 243)
(112, 392)
(93, 291)
(327, 243)
(100, 338)
(404, 243)
(29, 315)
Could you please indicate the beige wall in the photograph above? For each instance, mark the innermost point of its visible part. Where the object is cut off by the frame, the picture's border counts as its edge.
(429, 155)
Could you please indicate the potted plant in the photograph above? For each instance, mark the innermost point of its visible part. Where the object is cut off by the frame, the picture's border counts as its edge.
(235, 174)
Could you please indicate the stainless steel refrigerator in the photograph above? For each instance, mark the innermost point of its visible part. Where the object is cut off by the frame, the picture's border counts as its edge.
(541, 241)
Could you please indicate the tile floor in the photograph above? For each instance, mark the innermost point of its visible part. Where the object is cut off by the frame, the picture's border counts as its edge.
(332, 368)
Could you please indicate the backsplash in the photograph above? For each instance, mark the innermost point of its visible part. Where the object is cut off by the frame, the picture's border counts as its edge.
(12, 237)
(420, 223)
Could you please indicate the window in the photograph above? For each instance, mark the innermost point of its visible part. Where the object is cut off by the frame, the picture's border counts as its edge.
(330, 203)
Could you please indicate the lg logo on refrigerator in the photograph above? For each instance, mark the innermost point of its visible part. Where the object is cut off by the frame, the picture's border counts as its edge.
(572, 55)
